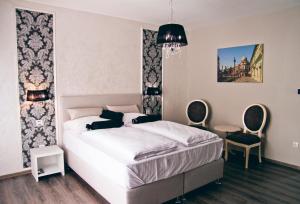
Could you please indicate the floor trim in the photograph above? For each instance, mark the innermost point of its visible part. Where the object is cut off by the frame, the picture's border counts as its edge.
(295, 167)
(21, 173)
(280, 163)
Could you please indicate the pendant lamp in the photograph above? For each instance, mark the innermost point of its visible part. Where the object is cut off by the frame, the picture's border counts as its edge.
(171, 36)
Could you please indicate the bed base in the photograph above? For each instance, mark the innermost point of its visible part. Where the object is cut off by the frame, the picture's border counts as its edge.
(153, 193)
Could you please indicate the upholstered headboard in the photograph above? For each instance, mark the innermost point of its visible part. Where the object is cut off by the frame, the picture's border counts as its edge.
(85, 101)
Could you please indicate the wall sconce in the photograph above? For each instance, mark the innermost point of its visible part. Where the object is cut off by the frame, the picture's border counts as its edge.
(37, 95)
(152, 91)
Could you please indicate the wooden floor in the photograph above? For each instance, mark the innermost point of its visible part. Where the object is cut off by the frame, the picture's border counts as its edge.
(262, 183)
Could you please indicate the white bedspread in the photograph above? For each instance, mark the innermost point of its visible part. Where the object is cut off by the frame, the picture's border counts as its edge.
(132, 143)
(112, 164)
(184, 134)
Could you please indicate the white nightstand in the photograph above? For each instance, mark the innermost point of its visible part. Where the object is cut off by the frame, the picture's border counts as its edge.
(50, 159)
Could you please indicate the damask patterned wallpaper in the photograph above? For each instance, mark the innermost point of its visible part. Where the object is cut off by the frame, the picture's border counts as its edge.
(152, 72)
(36, 71)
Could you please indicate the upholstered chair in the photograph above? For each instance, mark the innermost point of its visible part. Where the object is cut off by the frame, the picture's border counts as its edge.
(254, 120)
(196, 113)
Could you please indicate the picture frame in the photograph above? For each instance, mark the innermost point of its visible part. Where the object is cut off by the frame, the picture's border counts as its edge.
(242, 64)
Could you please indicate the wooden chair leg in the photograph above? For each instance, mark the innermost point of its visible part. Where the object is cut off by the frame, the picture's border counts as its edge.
(259, 153)
(226, 150)
(247, 157)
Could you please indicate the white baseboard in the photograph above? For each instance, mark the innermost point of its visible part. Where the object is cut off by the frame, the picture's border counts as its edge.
(20, 173)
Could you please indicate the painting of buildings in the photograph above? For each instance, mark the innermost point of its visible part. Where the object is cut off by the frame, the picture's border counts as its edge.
(241, 64)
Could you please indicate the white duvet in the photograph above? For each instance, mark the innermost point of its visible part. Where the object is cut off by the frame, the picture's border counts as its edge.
(184, 134)
(131, 143)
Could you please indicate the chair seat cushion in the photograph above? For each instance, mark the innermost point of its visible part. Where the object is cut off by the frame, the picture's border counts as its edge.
(199, 127)
(244, 138)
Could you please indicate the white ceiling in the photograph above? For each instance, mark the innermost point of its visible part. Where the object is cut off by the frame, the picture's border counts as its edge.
(186, 12)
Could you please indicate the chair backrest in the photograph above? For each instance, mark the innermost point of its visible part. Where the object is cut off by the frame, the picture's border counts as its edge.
(254, 119)
(197, 112)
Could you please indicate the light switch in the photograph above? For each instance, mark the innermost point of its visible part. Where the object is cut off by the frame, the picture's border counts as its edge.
(39, 123)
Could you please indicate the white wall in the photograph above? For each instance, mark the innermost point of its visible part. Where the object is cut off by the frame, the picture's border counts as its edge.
(174, 86)
(95, 54)
(10, 131)
(280, 34)
(102, 54)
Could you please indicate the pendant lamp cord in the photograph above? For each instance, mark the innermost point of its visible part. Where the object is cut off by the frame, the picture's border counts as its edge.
(171, 8)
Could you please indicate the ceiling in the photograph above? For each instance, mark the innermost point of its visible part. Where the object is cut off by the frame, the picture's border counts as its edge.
(186, 12)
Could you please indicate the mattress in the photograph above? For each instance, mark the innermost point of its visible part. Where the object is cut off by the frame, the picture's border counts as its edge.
(137, 173)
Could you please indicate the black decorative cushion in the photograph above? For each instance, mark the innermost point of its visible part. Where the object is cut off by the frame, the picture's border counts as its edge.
(104, 124)
(145, 119)
(244, 138)
(112, 115)
(253, 117)
(199, 127)
(196, 111)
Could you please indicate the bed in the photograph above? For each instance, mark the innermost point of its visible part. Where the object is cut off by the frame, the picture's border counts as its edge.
(151, 180)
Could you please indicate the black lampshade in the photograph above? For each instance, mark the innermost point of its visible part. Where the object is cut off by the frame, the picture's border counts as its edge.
(37, 95)
(153, 91)
(171, 33)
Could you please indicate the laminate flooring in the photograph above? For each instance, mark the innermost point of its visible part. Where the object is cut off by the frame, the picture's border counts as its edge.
(261, 183)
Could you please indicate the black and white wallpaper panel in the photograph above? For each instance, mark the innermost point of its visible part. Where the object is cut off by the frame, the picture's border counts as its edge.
(36, 71)
(152, 72)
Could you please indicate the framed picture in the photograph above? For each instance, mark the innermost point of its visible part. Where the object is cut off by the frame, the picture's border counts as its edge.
(241, 64)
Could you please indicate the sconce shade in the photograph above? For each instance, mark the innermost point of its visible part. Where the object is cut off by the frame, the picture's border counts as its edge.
(153, 91)
(37, 95)
(171, 33)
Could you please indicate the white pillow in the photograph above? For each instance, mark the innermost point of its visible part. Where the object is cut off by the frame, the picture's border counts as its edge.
(128, 117)
(83, 112)
(79, 124)
(124, 109)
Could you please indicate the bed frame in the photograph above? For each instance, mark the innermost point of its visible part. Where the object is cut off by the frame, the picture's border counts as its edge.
(153, 193)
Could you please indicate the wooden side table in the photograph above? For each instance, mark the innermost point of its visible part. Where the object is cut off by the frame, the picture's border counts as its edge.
(47, 160)
(227, 129)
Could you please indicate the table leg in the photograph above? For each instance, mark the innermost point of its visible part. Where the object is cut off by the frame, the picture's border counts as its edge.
(231, 152)
(226, 150)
